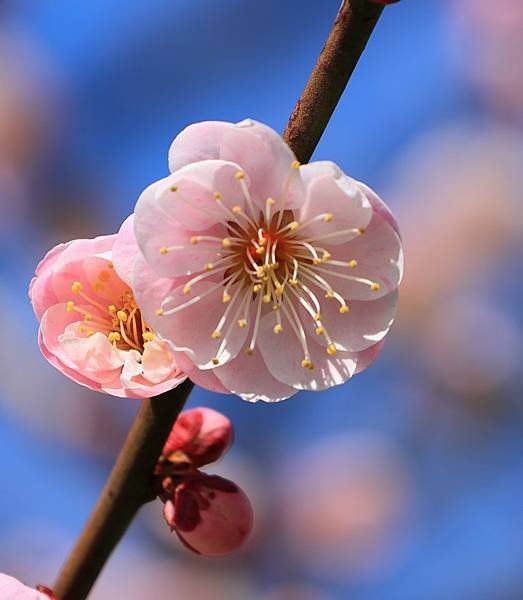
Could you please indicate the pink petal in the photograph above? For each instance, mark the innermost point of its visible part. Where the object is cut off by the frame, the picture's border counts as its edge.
(366, 323)
(157, 230)
(379, 206)
(379, 257)
(248, 377)
(194, 204)
(12, 589)
(212, 516)
(258, 149)
(125, 251)
(283, 356)
(366, 357)
(208, 380)
(158, 361)
(331, 192)
(203, 434)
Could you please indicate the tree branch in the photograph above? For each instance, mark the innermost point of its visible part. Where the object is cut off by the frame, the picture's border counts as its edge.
(129, 482)
(347, 40)
(126, 490)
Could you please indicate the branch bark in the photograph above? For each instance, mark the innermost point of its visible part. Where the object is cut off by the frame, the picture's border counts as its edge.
(352, 28)
(129, 482)
(126, 490)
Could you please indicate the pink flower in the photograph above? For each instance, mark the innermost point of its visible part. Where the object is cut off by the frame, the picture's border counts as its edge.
(211, 515)
(199, 436)
(289, 271)
(12, 589)
(91, 328)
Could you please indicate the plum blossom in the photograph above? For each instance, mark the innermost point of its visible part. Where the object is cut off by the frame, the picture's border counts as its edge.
(211, 515)
(289, 271)
(91, 328)
(12, 589)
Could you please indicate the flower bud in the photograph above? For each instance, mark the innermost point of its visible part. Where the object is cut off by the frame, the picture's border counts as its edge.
(211, 515)
(200, 436)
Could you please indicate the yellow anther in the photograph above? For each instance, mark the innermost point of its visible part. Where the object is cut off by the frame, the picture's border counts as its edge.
(97, 286)
(306, 363)
(361, 230)
(159, 312)
(275, 307)
(352, 263)
(114, 336)
(317, 317)
(277, 328)
(326, 256)
(375, 287)
(262, 241)
(82, 329)
(293, 225)
(266, 298)
(121, 315)
(174, 188)
(148, 336)
(260, 271)
(217, 195)
(295, 164)
(208, 267)
(215, 361)
(216, 334)
(293, 282)
(226, 297)
(164, 250)
(88, 317)
(76, 288)
(260, 251)
(249, 351)
(271, 201)
(91, 332)
(187, 289)
(242, 323)
(257, 288)
(331, 349)
(104, 276)
(236, 210)
(319, 330)
(279, 290)
(316, 261)
(329, 295)
(194, 239)
(226, 243)
(69, 306)
(111, 308)
(240, 175)
(327, 217)
(344, 309)
(110, 265)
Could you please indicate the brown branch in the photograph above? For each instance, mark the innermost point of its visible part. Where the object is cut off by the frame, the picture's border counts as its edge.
(126, 490)
(347, 40)
(128, 486)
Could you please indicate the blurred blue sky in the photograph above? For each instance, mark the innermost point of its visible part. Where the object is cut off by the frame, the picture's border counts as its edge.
(125, 77)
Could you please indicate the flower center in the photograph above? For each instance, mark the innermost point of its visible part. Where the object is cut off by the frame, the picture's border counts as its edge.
(121, 322)
(267, 259)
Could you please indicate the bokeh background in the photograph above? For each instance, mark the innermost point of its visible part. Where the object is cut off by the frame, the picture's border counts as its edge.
(405, 483)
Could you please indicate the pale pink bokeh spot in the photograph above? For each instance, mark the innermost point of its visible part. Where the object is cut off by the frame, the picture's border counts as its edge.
(91, 328)
(290, 272)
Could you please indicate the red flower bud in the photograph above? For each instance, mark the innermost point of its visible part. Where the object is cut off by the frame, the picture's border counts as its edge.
(211, 515)
(200, 436)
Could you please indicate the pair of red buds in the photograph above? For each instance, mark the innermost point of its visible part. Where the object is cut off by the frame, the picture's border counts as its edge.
(211, 515)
